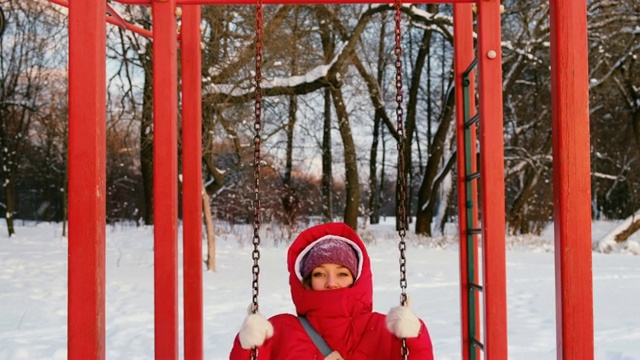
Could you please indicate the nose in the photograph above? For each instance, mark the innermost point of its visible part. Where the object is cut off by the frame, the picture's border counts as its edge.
(331, 283)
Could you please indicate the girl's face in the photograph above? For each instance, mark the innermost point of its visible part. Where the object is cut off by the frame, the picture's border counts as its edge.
(330, 277)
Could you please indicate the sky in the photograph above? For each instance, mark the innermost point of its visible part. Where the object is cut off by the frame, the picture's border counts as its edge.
(33, 298)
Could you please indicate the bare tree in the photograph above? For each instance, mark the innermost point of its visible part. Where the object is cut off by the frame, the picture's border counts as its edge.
(374, 186)
(325, 62)
(613, 50)
(29, 63)
(132, 89)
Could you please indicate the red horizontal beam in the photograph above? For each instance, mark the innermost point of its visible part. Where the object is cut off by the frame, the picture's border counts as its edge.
(136, 29)
(289, 2)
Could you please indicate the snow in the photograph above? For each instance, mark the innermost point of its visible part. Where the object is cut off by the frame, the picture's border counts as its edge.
(608, 243)
(292, 81)
(33, 279)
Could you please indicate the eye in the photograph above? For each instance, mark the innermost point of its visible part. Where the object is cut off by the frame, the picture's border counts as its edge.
(317, 274)
(344, 274)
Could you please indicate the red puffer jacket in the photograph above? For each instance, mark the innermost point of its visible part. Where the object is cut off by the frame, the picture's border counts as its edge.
(343, 317)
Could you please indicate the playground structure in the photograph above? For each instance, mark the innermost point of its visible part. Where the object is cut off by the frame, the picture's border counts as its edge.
(87, 161)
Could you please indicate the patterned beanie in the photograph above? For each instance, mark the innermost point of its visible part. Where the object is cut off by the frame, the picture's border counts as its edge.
(330, 251)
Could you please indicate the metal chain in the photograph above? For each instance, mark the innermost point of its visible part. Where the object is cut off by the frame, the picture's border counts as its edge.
(257, 126)
(402, 181)
(402, 185)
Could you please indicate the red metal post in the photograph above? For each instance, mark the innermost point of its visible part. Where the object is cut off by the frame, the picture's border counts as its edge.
(165, 175)
(492, 183)
(463, 56)
(287, 2)
(87, 173)
(571, 179)
(192, 181)
(303, 2)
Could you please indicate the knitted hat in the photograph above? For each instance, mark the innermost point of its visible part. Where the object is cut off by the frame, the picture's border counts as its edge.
(330, 251)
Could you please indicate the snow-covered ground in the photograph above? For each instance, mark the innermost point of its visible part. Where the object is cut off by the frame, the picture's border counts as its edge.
(33, 299)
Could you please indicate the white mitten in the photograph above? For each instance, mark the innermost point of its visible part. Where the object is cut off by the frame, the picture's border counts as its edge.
(255, 330)
(402, 322)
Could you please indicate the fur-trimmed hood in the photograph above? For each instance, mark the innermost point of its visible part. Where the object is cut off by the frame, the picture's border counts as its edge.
(338, 315)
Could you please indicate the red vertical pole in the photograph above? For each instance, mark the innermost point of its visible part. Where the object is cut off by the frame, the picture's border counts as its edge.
(165, 175)
(463, 57)
(492, 183)
(571, 179)
(192, 181)
(87, 172)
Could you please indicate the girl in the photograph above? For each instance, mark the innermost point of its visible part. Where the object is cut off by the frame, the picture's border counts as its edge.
(331, 286)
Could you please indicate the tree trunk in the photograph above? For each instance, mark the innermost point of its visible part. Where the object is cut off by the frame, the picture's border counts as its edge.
(620, 233)
(374, 187)
(65, 187)
(517, 218)
(146, 136)
(412, 104)
(626, 233)
(350, 160)
(211, 237)
(520, 217)
(374, 197)
(435, 188)
(290, 195)
(9, 196)
(327, 171)
(382, 193)
(636, 121)
(424, 216)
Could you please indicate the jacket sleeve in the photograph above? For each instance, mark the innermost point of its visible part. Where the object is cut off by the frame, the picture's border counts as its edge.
(421, 347)
(238, 353)
(289, 341)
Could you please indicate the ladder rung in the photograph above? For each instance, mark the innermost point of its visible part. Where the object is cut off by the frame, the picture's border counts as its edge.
(474, 286)
(470, 68)
(472, 121)
(477, 343)
(474, 231)
(472, 176)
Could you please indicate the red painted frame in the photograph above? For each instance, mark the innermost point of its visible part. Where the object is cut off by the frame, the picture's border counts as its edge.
(192, 181)
(87, 94)
(87, 180)
(165, 175)
(492, 185)
(571, 179)
(463, 57)
(284, 2)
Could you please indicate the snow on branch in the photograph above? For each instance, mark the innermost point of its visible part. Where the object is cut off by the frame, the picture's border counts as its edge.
(320, 75)
(612, 241)
(246, 89)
